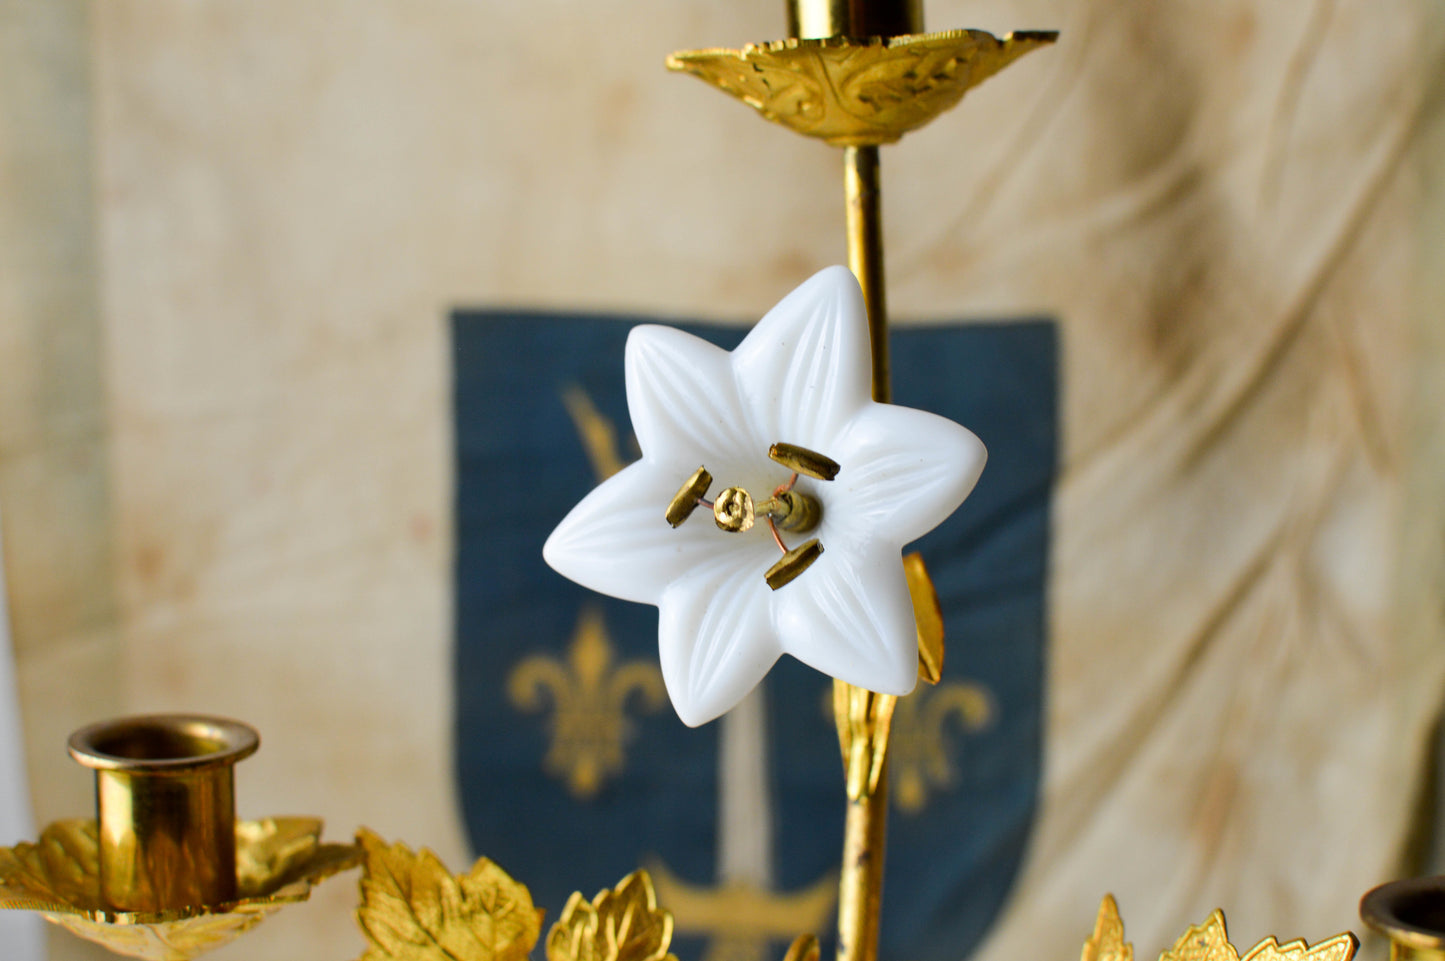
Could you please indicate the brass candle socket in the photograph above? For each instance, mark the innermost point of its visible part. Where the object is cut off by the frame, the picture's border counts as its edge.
(816, 19)
(165, 805)
(1411, 913)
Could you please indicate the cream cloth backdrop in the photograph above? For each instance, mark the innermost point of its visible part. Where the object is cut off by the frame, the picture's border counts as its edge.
(248, 219)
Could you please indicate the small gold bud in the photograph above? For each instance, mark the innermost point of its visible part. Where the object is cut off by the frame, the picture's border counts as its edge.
(733, 510)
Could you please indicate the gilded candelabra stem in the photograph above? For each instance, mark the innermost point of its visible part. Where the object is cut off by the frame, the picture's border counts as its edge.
(862, 716)
(857, 74)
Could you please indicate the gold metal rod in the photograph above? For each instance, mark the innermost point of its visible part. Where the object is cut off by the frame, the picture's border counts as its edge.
(863, 191)
(863, 717)
(860, 887)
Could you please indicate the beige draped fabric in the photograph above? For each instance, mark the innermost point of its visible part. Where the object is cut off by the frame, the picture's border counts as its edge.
(230, 231)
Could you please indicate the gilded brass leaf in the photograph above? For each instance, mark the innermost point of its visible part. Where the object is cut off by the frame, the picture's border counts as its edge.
(413, 909)
(1203, 942)
(858, 92)
(1107, 942)
(622, 923)
(178, 940)
(1341, 947)
(275, 853)
(803, 948)
(927, 618)
(60, 872)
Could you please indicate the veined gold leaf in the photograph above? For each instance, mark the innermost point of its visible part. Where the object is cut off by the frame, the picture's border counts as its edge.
(413, 909)
(1203, 942)
(57, 873)
(1107, 942)
(178, 940)
(274, 853)
(1341, 947)
(620, 924)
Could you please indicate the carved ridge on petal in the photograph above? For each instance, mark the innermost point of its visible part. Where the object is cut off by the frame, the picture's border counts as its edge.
(664, 396)
(719, 607)
(910, 470)
(616, 534)
(844, 607)
(811, 352)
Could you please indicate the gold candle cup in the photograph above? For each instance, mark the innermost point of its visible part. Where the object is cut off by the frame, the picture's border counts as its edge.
(1411, 913)
(818, 19)
(165, 806)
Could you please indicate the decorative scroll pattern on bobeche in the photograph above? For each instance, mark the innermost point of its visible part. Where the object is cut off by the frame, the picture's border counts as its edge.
(855, 93)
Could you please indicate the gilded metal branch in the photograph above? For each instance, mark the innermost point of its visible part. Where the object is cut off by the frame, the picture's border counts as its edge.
(857, 74)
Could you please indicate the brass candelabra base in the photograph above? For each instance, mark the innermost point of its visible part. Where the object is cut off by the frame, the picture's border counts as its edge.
(278, 861)
(165, 871)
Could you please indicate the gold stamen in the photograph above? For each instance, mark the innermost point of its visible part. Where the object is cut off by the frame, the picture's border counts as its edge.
(685, 501)
(793, 563)
(804, 461)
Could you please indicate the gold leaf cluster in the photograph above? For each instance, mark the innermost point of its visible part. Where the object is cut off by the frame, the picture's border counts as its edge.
(1208, 942)
(622, 923)
(413, 909)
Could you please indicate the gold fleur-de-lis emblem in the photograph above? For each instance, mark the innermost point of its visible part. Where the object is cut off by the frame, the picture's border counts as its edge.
(589, 694)
(922, 754)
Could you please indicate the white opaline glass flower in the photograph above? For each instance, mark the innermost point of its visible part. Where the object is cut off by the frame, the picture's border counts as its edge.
(800, 377)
